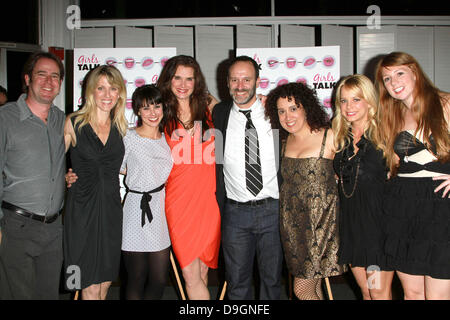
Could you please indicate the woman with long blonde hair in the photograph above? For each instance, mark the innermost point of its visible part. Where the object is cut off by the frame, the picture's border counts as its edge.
(415, 123)
(93, 214)
(361, 169)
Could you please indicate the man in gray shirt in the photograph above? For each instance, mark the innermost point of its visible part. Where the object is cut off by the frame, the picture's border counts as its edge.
(32, 162)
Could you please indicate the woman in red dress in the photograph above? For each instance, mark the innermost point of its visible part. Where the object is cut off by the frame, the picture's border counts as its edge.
(192, 212)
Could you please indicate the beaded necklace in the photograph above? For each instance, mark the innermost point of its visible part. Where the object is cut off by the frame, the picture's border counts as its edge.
(358, 163)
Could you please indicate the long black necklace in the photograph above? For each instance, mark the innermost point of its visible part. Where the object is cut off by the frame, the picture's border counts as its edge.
(358, 164)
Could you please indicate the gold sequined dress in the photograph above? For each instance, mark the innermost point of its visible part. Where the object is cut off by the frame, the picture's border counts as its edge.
(308, 216)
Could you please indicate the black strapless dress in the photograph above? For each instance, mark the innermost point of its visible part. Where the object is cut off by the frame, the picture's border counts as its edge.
(416, 219)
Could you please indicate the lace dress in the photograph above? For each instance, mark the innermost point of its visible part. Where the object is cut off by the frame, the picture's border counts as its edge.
(308, 216)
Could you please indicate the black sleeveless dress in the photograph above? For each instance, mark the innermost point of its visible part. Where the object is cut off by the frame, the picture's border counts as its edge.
(362, 179)
(417, 219)
(93, 213)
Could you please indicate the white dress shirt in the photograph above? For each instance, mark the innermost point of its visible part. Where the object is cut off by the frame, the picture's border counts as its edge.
(234, 155)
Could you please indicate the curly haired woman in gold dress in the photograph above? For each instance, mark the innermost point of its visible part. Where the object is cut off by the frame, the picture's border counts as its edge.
(308, 196)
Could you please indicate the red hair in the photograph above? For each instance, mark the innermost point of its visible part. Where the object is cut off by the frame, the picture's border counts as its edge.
(427, 108)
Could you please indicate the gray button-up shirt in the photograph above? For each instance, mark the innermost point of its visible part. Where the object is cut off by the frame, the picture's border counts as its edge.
(32, 158)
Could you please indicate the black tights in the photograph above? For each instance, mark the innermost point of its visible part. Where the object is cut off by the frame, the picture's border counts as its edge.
(147, 274)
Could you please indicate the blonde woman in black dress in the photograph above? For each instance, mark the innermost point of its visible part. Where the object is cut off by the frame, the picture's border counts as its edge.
(308, 196)
(362, 172)
(93, 212)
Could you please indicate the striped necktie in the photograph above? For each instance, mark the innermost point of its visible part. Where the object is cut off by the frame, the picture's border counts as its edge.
(253, 175)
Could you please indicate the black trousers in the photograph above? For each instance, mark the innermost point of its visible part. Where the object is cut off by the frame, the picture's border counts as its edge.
(30, 258)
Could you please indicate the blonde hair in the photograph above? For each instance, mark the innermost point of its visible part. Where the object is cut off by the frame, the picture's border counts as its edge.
(363, 88)
(88, 112)
(427, 108)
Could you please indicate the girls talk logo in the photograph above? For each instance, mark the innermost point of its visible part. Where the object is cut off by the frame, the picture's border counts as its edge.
(208, 148)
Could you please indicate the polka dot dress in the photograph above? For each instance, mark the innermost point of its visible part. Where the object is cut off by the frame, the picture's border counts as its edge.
(148, 163)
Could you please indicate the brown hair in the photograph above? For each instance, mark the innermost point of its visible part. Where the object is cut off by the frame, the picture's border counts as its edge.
(198, 101)
(31, 62)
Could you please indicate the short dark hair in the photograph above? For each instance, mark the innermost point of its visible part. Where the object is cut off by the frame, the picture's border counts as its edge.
(3, 90)
(33, 59)
(144, 96)
(255, 65)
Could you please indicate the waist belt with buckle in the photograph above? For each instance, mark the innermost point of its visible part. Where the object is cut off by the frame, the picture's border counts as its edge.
(27, 214)
(252, 203)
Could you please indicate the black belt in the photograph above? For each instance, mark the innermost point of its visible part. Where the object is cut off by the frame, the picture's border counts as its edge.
(27, 214)
(145, 203)
(252, 203)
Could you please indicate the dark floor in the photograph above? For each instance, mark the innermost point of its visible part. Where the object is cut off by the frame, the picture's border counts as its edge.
(343, 287)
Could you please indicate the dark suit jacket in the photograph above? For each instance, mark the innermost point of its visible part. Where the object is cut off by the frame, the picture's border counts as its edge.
(220, 116)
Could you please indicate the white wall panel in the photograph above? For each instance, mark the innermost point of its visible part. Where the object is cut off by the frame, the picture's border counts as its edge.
(418, 42)
(296, 36)
(442, 58)
(94, 38)
(213, 45)
(253, 36)
(181, 38)
(55, 33)
(131, 37)
(342, 37)
(372, 43)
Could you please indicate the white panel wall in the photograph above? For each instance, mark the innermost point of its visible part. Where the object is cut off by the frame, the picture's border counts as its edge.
(213, 45)
(442, 58)
(54, 29)
(253, 36)
(418, 42)
(3, 68)
(296, 36)
(372, 43)
(55, 33)
(342, 37)
(131, 37)
(180, 37)
(94, 38)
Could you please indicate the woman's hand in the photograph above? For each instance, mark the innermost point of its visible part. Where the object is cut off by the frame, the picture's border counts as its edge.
(445, 184)
(71, 177)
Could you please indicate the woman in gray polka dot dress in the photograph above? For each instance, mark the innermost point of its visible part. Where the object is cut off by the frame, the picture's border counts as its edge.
(147, 164)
